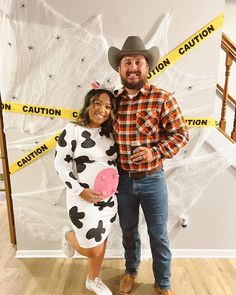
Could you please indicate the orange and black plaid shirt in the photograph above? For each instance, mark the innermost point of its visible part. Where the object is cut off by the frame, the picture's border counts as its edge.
(152, 118)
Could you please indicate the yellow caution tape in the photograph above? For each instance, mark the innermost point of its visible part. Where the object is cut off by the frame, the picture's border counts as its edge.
(50, 143)
(34, 154)
(165, 62)
(39, 110)
(201, 122)
(185, 47)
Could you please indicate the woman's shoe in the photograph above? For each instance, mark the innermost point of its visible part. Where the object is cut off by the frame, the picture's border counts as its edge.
(97, 286)
(67, 249)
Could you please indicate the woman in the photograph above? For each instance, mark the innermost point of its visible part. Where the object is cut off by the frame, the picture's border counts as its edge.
(85, 161)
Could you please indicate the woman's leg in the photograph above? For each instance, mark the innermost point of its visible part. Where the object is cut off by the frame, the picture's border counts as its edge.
(89, 252)
(95, 255)
(95, 264)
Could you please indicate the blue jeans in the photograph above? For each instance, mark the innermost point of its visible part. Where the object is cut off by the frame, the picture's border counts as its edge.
(151, 193)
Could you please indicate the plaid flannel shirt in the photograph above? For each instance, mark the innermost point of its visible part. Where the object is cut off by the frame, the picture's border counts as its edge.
(152, 118)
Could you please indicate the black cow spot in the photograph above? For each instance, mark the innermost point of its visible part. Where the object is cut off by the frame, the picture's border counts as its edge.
(68, 158)
(104, 204)
(75, 216)
(111, 163)
(55, 154)
(88, 143)
(85, 185)
(96, 233)
(72, 175)
(61, 139)
(80, 166)
(112, 150)
(101, 133)
(113, 218)
(73, 145)
(68, 184)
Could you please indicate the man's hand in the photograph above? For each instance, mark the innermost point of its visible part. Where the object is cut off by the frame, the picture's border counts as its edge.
(142, 155)
(91, 196)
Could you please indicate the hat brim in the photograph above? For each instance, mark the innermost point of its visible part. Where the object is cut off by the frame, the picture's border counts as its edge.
(152, 55)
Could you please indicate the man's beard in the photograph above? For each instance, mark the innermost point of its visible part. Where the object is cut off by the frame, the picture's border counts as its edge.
(131, 85)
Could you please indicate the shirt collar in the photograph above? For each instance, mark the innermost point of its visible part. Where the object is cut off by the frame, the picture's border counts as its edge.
(144, 90)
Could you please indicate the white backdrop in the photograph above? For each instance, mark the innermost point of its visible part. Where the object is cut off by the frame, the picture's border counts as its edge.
(51, 50)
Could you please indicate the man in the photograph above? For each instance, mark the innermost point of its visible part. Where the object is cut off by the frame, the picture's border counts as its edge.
(150, 116)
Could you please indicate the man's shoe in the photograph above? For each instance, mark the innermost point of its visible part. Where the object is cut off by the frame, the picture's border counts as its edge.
(164, 291)
(126, 283)
(68, 250)
(97, 286)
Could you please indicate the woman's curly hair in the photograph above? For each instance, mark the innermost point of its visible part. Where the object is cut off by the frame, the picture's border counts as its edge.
(83, 118)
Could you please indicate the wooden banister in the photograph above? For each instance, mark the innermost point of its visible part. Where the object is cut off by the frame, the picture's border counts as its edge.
(230, 49)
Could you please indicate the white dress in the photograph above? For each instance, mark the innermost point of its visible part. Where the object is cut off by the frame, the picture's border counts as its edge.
(82, 153)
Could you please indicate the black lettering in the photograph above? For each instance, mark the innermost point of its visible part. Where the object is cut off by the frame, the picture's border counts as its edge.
(36, 110)
(75, 114)
(191, 43)
(42, 110)
(181, 50)
(28, 158)
(196, 38)
(25, 109)
(186, 47)
(6, 106)
(44, 147)
(198, 122)
(210, 29)
(166, 62)
(205, 33)
(24, 161)
(39, 151)
(19, 164)
(31, 110)
(58, 112)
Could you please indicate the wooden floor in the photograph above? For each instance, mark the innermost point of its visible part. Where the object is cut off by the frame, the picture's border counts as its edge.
(67, 276)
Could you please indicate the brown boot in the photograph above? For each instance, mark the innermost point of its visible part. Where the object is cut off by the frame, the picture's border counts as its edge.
(126, 283)
(164, 291)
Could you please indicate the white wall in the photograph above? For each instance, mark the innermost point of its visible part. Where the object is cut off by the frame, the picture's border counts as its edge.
(211, 214)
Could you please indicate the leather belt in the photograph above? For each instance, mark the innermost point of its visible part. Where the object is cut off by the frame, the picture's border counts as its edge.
(139, 175)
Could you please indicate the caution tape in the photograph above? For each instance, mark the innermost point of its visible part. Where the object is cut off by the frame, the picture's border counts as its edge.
(201, 122)
(165, 62)
(39, 110)
(50, 143)
(34, 154)
(185, 47)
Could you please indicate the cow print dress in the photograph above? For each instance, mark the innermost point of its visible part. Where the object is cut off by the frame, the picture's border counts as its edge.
(81, 154)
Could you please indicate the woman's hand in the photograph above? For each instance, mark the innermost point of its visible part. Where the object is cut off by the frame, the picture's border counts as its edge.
(91, 196)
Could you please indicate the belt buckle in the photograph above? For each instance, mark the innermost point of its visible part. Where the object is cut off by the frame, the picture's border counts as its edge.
(130, 174)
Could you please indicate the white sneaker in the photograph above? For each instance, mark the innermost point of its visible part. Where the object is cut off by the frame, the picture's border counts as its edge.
(68, 250)
(97, 286)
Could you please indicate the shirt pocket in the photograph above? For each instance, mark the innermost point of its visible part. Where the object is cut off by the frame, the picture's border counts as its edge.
(147, 122)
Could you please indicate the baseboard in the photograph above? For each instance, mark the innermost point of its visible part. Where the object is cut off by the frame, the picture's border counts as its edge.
(204, 253)
(146, 254)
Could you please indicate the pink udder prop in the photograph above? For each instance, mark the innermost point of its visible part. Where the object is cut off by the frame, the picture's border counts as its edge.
(106, 182)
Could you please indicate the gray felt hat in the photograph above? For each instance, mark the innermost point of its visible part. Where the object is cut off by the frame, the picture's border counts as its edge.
(133, 45)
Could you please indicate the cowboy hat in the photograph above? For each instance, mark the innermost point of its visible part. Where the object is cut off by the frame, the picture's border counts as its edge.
(133, 45)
